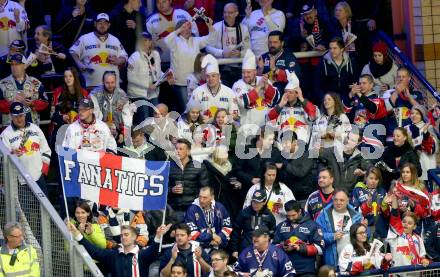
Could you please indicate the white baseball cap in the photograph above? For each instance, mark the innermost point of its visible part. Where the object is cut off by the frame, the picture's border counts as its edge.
(103, 16)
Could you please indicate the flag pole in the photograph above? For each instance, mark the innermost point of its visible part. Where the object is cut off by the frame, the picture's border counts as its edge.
(64, 192)
(163, 223)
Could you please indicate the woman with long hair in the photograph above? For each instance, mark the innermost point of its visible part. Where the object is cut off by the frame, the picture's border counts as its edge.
(333, 124)
(189, 121)
(355, 259)
(197, 78)
(345, 26)
(277, 193)
(64, 108)
(84, 222)
(221, 130)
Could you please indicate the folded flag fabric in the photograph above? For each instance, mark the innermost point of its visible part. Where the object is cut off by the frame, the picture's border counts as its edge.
(414, 194)
(114, 181)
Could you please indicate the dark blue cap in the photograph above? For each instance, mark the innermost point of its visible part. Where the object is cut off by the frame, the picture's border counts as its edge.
(17, 108)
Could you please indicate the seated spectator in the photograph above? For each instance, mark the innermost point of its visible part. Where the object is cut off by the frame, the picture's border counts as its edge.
(355, 258)
(209, 221)
(301, 238)
(432, 239)
(294, 112)
(73, 21)
(50, 56)
(382, 68)
(15, 24)
(278, 193)
(27, 142)
(183, 50)
(248, 219)
(197, 78)
(336, 71)
(163, 22)
(398, 154)
(127, 21)
(219, 263)
(406, 246)
(294, 8)
(178, 270)
(255, 94)
(276, 61)
(110, 101)
(189, 121)
(230, 273)
(332, 127)
(368, 197)
(326, 271)
(424, 139)
(97, 52)
(186, 252)
(309, 32)
(16, 46)
(261, 22)
(26, 259)
(322, 197)
(185, 179)
(129, 259)
(19, 87)
(345, 28)
(142, 149)
(189, 6)
(253, 260)
(336, 220)
(111, 221)
(83, 221)
(298, 170)
(213, 94)
(65, 101)
(222, 179)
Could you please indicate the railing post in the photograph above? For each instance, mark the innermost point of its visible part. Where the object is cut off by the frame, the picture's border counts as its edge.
(46, 240)
(76, 265)
(10, 189)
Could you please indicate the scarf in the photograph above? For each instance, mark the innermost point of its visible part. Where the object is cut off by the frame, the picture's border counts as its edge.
(316, 32)
(223, 169)
(85, 125)
(237, 31)
(398, 151)
(378, 70)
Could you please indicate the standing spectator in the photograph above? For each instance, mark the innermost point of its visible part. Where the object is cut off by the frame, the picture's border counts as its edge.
(164, 22)
(110, 101)
(190, 5)
(294, 8)
(326, 271)
(185, 179)
(19, 87)
(432, 239)
(97, 52)
(17, 257)
(321, 198)
(382, 68)
(65, 101)
(88, 132)
(198, 77)
(142, 149)
(127, 21)
(261, 22)
(344, 27)
(213, 94)
(335, 221)
(336, 71)
(189, 121)
(219, 263)
(253, 259)
(255, 94)
(178, 270)
(43, 48)
(276, 61)
(294, 112)
(355, 258)
(74, 21)
(301, 238)
(185, 252)
(28, 143)
(16, 46)
(209, 221)
(248, 219)
(129, 259)
(13, 25)
(278, 193)
(309, 31)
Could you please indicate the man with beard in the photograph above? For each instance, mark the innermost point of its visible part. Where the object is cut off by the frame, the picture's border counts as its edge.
(255, 94)
(109, 100)
(275, 62)
(301, 238)
(97, 52)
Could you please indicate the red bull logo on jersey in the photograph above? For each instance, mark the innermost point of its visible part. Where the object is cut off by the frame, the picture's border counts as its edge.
(100, 59)
(6, 23)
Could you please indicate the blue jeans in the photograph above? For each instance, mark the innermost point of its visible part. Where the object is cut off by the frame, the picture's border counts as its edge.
(180, 99)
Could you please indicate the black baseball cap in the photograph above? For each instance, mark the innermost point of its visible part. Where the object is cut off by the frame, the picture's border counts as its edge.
(18, 44)
(260, 230)
(16, 108)
(259, 196)
(86, 103)
(16, 57)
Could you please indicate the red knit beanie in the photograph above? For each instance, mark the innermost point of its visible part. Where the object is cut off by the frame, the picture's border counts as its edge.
(380, 47)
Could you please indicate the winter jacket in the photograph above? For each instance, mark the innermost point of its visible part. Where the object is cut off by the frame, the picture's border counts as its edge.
(245, 224)
(432, 243)
(325, 221)
(146, 151)
(193, 178)
(54, 66)
(388, 79)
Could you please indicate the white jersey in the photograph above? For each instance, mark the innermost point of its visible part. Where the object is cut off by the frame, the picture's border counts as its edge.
(210, 103)
(257, 113)
(225, 38)
(94, 53)
(143, 70)
(32, 144)
(260, 26)
(160, 26)
(95, 137)
(10, 29)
